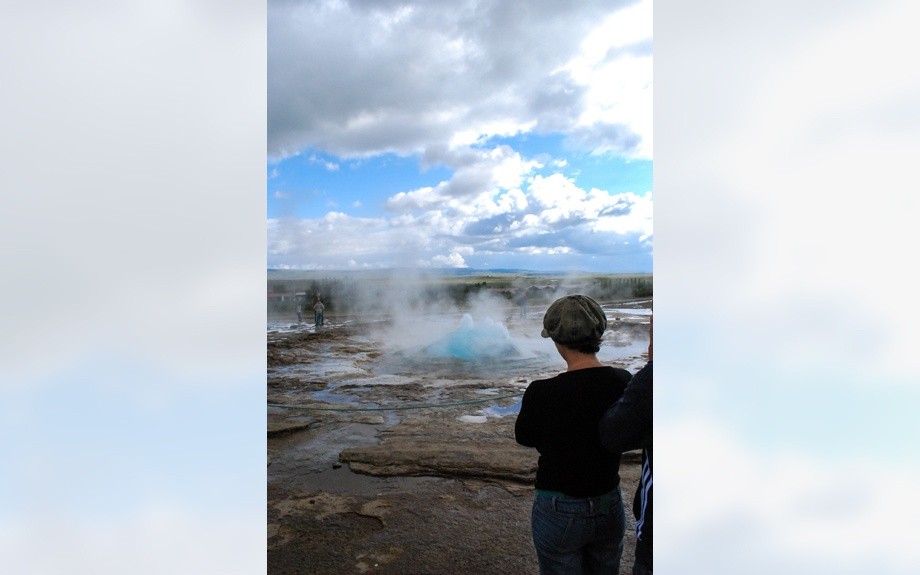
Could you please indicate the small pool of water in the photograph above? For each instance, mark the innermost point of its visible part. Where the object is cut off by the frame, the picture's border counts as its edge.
(329, 396)
(499, 411)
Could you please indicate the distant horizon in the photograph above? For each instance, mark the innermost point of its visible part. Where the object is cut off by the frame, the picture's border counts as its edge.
(453, 271)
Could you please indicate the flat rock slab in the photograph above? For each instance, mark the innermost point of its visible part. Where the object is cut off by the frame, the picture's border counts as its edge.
(416, 457)
(277, 426)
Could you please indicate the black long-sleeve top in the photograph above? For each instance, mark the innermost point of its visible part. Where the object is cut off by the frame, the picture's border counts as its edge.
(559, 416)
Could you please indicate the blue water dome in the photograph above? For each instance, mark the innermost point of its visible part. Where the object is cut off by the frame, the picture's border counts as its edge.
(470, 342)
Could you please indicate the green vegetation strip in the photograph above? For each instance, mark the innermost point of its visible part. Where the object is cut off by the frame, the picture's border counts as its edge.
(399, 408)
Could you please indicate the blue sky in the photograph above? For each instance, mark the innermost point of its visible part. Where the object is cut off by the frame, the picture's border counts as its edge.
(421, 135)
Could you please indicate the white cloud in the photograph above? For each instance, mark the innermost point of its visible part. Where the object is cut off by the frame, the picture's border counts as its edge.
(616, 65)
(435, 81)
(559, 196)
(421, 198)
(454, 260)
(338, 237)
(491, 205)
(329, 166)
(356, 80)
(512, 201)
(485, 183)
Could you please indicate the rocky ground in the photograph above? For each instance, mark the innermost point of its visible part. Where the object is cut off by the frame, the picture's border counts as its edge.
(383, 463)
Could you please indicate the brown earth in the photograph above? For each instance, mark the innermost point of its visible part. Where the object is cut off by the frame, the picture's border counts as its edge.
(377, 470)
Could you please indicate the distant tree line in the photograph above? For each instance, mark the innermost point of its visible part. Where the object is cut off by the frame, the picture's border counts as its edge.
(620, 287)
(352, 295)
(305, 293)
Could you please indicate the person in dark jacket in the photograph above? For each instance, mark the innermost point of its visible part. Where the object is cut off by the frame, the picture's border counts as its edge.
(577, 519)
(627, 425)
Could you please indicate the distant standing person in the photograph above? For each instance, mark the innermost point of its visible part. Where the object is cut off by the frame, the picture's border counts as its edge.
(318, 309)
(299, 315)
(521, 299)
(577, 519)
(627, 425)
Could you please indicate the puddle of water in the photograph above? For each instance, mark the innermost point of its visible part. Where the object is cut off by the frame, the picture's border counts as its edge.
(499, 411)
(329, 396)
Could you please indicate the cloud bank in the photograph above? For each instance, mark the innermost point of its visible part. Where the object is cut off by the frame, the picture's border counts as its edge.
(461, 86)
(463, 223)
(360, 78)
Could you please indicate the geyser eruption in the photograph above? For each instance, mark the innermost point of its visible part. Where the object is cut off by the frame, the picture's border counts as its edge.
(470, 342)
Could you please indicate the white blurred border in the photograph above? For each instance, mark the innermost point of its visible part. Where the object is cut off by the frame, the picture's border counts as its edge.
(132, 349)
(785, 219)
(133, 227)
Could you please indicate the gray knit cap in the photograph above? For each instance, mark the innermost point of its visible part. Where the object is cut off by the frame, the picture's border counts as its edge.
(574, 319)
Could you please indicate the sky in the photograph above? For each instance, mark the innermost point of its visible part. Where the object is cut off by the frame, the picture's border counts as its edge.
(460, 134)
(133, 219)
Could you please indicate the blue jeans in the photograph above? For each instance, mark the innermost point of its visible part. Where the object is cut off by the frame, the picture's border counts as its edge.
(578, 535)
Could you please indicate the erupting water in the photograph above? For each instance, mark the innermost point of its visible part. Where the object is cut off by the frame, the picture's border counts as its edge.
(470, 342)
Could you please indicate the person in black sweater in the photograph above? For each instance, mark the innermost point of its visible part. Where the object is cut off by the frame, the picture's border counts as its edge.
(577, 518)
(627, 425)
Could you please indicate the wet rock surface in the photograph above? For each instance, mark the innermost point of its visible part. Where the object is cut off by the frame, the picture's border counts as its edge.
(382, 462)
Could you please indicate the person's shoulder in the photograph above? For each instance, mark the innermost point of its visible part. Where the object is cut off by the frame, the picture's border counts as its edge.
(620, 374)
(542, 384)
(644, 375)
